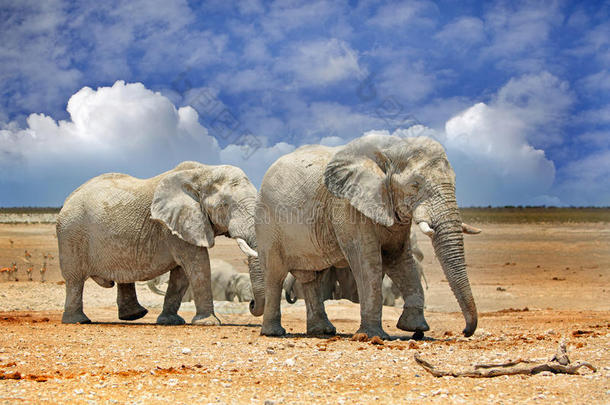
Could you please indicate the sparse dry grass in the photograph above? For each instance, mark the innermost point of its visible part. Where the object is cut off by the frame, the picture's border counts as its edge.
(494, 215)
(523, 215)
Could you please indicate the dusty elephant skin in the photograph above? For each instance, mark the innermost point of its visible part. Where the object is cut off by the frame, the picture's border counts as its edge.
(117, 228)
(353, 205)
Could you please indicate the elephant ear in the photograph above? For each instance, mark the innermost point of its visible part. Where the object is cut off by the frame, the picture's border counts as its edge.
(357, 174)
(176, 205)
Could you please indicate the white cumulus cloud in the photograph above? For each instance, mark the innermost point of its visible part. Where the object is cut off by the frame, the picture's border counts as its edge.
(495, 161)
(125, 127)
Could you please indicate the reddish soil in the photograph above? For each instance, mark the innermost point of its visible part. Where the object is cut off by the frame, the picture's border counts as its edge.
(534, 285)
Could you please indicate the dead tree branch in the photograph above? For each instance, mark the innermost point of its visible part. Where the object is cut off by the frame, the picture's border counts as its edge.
(558, 364)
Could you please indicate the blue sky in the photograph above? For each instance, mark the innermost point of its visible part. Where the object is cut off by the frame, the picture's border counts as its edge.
(517, 92)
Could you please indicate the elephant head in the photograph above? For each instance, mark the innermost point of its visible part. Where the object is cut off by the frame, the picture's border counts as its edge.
(197, 202)
(240, 287)
(394, 180)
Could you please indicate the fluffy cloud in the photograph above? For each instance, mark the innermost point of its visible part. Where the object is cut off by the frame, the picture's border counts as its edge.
(129, 128)
(541, 102)
(494, 147)
(494, 159)
(321, 63)
(125, 127)
(462, 33)
(518, 33)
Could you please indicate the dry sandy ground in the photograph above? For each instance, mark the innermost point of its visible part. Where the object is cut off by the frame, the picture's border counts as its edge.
(560, 273)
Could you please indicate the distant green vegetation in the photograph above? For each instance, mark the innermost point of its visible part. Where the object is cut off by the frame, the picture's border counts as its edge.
(498, 215)
(520, 214)
(29, 210)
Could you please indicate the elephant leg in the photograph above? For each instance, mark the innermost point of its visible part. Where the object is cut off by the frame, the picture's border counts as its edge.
(404, 273)
(363, 254)
(127, 301)
(195, 262)
(73, 309)
(176, 287)
(275, 273)
(317, 319)
(188, 295)
(197, 269)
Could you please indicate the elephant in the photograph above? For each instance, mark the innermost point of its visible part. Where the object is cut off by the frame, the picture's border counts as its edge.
(353, 205)
(227, 283)
(339, 283)
(336, 284)
(118, 228)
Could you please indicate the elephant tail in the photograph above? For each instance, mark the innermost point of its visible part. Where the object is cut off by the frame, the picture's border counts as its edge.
(152, 286)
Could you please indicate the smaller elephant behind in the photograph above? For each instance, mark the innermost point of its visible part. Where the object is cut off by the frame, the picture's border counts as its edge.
(227, 283)
(338, 283)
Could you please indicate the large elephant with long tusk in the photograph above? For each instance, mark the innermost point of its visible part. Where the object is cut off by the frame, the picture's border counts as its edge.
(117, 228)
(353, 206)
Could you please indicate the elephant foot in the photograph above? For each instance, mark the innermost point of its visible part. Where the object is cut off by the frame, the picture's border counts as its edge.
(321, 328)
(274, 329)
(170, 319)
(412, 320)
(418, 335)
(206, 320)
(373, 331)
(75, 317)
(132, 313)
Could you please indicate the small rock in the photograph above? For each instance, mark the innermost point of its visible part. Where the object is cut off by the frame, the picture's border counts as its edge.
(289, 362)
(376, 340)
(79, 391)
(359, 337)
(270, 350)
(186, 350)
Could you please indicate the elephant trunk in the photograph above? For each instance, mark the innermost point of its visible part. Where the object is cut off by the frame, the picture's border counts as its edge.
(243, 227)
(448, 243)
(291, 295)
(257, 278)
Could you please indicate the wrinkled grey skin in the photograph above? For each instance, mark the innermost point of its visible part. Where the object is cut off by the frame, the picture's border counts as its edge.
(339, 283)
(227, 284)
(117, 228)
(353, 206)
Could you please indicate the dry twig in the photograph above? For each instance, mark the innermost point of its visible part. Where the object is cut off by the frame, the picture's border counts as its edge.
(558, 364)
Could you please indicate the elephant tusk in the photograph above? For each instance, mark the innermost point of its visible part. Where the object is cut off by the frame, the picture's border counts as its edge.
(425, 228)
(243, 245)
(470, 229)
